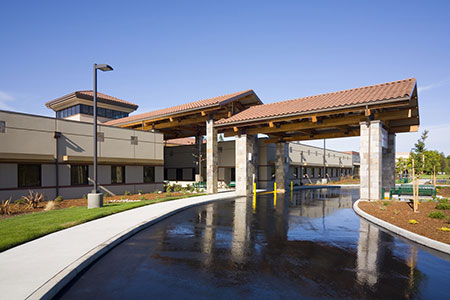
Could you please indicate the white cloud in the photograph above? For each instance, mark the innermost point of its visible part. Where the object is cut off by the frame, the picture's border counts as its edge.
(434, 85)
(4, 98)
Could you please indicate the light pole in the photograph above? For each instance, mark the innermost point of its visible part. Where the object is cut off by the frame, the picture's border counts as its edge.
(95, 198)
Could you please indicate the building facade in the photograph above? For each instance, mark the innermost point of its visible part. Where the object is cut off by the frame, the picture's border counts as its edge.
(54, 156)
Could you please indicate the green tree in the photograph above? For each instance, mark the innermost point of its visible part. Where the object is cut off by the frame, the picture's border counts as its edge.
(447, 165)
(443, 164)
(432, 160)
(401, 165)
(418, 152)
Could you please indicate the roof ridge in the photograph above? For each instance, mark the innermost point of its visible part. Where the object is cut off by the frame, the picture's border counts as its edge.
(343, 91)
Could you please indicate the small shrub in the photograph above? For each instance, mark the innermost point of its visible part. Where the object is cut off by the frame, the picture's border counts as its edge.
(436, 215)
(168, 189)
(443, 206)
(446, 229)
(168, 194)
(155, 192)
(85, 196)
(413, 222)
(140, 192)
(108, 195)
(443, 200)
(59, 199)
(33, 199)
(123, 197)
(177, 187)
(142, 198)
(383, 207)
(127, 193)
(49, 206)
(20, 201)
(191, 188)
(386, 203)
(5, 207)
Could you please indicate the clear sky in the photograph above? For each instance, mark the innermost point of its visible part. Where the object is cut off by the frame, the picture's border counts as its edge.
(170, 52)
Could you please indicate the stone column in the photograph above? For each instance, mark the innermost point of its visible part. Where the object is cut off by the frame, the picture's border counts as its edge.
(388, 175)
(246, 163)
(377, 162)
(282, 166)
(211, 157)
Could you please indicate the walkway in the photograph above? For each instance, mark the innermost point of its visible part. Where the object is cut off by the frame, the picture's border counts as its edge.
(42, 267)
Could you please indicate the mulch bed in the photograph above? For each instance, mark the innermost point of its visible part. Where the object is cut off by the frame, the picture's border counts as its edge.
(19, 209)
(444, 192)
(399, 213)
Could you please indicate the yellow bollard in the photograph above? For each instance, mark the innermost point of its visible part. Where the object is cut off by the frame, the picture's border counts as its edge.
(275, 188)
(274, 194)
(254, 203)
(254, 189)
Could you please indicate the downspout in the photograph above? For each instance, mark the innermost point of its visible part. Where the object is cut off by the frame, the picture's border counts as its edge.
(57, 135)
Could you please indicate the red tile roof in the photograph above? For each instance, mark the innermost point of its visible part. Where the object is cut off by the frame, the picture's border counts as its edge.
(89, 95)
(216, 101)
(358, 96)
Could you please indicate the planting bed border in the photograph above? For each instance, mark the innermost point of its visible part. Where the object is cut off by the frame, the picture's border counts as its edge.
(417, 238)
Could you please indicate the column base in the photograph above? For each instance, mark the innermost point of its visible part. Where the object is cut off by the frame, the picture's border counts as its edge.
(95, 200)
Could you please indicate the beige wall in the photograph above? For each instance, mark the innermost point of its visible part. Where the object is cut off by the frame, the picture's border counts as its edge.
(30, 139)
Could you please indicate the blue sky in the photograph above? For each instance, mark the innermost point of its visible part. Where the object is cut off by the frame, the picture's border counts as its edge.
(170, 52)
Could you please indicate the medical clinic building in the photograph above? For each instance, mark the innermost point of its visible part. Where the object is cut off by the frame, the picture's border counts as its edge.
(54, 155)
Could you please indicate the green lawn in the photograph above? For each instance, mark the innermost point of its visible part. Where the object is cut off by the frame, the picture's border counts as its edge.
(439, 176)
(23, 228)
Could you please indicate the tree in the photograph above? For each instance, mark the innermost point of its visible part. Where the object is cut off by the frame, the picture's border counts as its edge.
(443, 164)
(447, 165)
(432, 160)
(401, 165)
(418, 152)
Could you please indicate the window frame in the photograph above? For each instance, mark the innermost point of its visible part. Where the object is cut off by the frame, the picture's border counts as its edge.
(85, 169)
(114, 174)
(22, 183)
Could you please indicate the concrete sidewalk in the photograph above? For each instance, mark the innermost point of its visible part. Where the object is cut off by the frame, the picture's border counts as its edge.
(40, 268)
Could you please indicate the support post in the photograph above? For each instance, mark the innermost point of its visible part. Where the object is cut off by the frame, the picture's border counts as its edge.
(246, 163)
(282, 166)
(211, 157)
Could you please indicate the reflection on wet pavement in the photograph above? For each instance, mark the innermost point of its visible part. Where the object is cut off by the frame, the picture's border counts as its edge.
(307, 245)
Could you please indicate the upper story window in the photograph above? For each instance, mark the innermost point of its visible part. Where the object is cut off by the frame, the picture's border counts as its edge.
(89, 110)
(29, 175)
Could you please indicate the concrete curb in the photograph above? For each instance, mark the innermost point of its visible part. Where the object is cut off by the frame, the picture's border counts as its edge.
(417, 238)
(60, 280)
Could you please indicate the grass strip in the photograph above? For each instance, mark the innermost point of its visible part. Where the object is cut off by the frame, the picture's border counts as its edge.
(24, 228)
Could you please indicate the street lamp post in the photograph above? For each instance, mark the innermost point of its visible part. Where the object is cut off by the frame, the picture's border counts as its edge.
(95, 198)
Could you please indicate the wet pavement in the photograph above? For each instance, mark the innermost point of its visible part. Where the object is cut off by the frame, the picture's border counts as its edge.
(310, 245)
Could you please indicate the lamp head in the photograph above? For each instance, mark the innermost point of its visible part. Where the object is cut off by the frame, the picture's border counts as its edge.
(104, 67)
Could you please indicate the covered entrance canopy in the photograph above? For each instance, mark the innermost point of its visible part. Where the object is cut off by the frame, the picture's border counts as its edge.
(187, 120)
(331, 115)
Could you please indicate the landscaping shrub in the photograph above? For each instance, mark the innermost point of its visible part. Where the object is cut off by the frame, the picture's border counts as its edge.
(59, 199)
(49, 206)
(142, 198)
(168, 189)
(413, 222)
(85, 196)
(5, 207)
(443, 200)
(155, 192)
(168, 194)
(33, 199)
(177, 187)
(127, 193)
(436, 215)
(446, 229)
(443, 206)
(140, 192)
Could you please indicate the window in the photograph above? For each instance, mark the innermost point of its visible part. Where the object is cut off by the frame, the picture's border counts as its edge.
(149, 174)
(29, 175)
(79, 174)
(117, 174)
